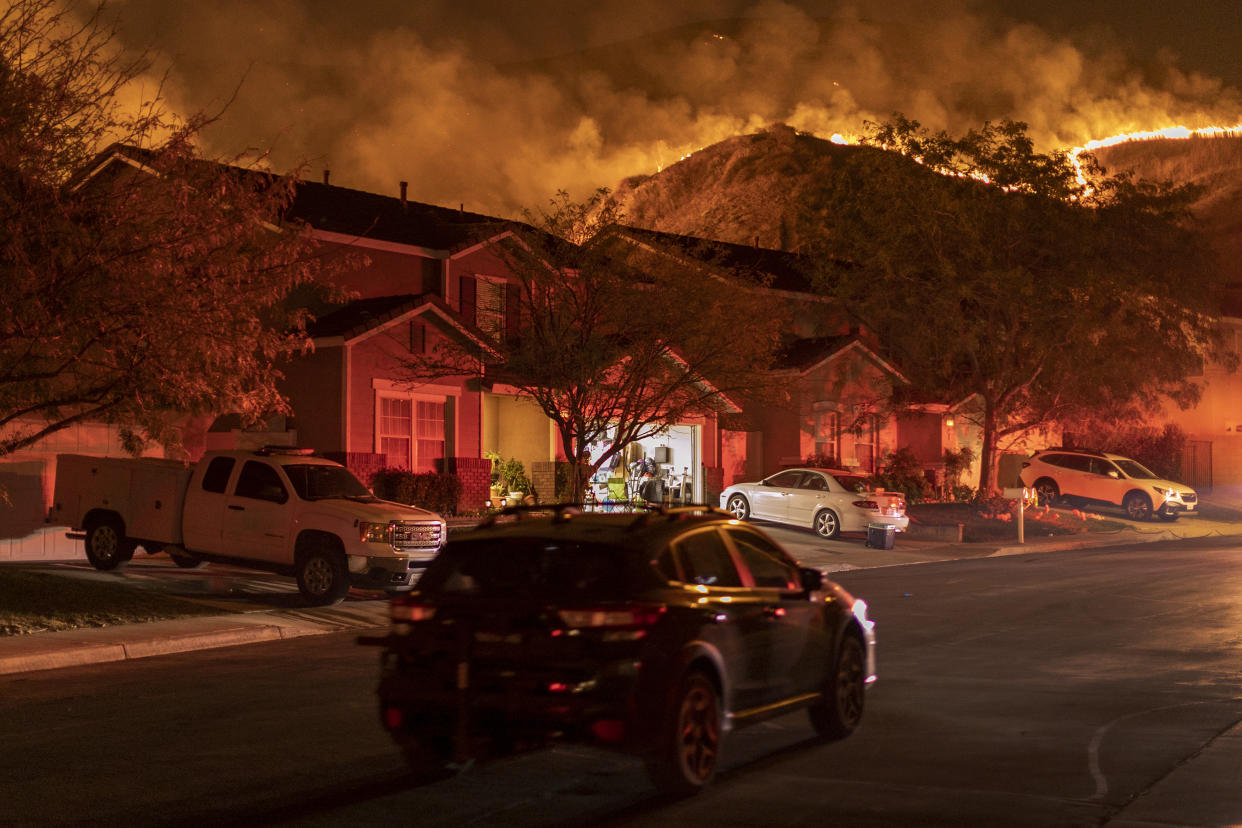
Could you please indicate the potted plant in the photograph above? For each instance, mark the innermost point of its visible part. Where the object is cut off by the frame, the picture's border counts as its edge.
(513, 479)
(497, 485)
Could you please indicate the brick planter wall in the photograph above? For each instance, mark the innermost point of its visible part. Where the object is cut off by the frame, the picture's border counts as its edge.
(543, 480)
(475, 474)
(363, 464)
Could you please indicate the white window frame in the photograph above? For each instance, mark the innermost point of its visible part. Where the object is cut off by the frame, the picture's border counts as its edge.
(413, 459)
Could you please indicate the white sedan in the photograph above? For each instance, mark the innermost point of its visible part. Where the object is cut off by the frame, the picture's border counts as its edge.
(825, 500)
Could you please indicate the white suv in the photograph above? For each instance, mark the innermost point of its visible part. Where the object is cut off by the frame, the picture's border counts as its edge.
(1107, 480)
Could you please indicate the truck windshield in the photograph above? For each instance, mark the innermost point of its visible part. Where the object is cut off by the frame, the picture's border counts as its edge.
(317, 482)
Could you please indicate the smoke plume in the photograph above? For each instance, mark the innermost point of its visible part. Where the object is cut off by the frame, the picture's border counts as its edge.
(475, 104)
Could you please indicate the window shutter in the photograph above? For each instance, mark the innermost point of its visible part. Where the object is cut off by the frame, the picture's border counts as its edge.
(513, 310)
(467, 299)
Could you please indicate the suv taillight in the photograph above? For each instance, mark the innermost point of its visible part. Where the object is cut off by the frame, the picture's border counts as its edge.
(402, 610)
(623, 622)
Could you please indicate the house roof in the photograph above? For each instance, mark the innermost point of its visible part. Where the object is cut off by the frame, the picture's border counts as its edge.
(804, 355)
(362, 317)
(349, 212)
(787, 271)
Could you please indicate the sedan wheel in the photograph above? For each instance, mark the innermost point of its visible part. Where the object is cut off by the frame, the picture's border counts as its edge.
(827, 524)
(739, 507)
(1137, 506)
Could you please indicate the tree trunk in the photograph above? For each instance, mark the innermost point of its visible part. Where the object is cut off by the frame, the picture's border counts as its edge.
(987, 456)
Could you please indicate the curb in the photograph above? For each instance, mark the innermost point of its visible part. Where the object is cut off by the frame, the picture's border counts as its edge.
(73, 648)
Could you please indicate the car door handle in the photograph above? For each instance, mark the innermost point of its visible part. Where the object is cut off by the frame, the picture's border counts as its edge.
(237, 508)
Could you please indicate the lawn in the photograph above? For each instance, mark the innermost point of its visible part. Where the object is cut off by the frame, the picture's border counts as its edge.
(42, 601)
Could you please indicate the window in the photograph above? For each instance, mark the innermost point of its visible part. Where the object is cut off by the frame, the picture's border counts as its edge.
(706, 560)
(786, 479)
(411, 432)
(768, 566)
(260, 482)
(828, 434)
(491, 303)
(394, 434)
(216, 478)
(815, 482)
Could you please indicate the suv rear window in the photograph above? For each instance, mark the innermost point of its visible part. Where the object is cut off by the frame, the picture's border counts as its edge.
(539, 568)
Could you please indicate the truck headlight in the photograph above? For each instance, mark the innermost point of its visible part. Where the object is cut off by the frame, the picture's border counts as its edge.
(374, 532)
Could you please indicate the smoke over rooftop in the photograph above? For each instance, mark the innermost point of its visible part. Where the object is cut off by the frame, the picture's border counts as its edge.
(472, 104)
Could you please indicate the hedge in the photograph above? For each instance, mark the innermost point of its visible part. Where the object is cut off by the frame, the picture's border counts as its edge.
(430, 490)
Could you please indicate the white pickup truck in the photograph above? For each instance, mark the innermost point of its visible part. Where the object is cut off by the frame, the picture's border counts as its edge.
(278, 509)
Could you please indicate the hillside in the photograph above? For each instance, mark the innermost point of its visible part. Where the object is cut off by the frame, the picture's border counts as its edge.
(1215, 164)
(751, 189)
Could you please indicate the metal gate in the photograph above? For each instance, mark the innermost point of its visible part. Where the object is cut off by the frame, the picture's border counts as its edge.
(1197, 464)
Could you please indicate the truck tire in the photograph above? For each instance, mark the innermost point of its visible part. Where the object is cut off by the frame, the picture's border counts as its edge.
(186, 560)
(106, 544)
(323, 577)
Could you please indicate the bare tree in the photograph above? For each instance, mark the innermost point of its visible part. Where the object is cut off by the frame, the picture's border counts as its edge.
(613, 342)
(152, 285)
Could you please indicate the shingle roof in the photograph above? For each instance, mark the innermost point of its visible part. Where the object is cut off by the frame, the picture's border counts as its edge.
(802, 354)
(386, 218)
(362, 315)
(788, 271)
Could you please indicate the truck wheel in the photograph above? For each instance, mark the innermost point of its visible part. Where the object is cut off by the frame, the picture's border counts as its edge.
(323, 578)
(106, 544)
(186, 560)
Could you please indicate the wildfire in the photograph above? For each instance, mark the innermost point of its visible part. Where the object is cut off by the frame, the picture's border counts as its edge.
(1176, 132)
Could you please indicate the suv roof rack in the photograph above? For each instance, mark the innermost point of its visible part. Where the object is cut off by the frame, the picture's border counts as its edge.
(563, 512)
(1091, 452)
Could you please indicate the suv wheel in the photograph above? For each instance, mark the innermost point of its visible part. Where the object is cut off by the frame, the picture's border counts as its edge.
(690, 741)
(323, 578)
(840, 709)
(1137, 506)
(1047, 490)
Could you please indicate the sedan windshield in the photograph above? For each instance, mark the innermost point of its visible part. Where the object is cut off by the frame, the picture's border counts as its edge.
(318, 482)
(1135, 470)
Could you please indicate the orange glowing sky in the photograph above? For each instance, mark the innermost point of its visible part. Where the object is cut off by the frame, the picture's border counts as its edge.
(498, 104)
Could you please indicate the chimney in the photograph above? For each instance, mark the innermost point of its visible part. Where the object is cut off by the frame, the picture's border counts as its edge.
(326, 173)
(405, 185)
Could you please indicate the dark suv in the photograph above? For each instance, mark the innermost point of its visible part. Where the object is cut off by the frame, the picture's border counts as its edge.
(651, 633)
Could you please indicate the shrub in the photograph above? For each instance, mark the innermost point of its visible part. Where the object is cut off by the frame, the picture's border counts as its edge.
(902, 472)
(431, 490)
(512, 473)
(1158, 449)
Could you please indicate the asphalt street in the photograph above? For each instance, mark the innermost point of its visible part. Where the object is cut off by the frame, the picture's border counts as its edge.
(1080, 687)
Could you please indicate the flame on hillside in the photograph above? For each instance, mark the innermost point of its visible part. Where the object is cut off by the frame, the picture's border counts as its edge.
(1172, 132)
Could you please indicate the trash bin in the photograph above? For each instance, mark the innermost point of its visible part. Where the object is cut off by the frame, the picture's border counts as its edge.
(880, 535)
